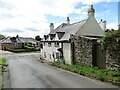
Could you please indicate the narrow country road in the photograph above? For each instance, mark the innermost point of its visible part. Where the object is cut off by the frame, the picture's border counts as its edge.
(27, 72)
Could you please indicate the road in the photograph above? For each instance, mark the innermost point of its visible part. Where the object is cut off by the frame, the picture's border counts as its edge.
(27, 72)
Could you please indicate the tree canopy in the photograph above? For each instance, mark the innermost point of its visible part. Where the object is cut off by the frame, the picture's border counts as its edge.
(2, 36)
(37, 38)
(110, 37)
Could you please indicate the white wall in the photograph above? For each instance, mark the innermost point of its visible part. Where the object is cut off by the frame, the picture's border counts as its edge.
(49, 50)
(103, 25)
(91, 27)
(67, 52)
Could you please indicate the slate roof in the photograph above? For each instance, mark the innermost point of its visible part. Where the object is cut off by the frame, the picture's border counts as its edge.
(67, 29)
(58, 29)
(19, 40)
(27, 40)
(8, 40)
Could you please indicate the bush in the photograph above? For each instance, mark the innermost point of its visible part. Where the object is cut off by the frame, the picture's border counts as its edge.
(109, 38)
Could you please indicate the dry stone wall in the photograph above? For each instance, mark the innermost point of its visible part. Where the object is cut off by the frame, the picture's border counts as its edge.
(113, 55)
(82, 50)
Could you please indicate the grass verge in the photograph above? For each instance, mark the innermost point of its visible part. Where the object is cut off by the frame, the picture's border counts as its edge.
(92, 72)
(2, 65)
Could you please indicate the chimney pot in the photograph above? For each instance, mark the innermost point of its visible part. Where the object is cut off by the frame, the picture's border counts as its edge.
(51, 26)
(91, 11)
(68, 20)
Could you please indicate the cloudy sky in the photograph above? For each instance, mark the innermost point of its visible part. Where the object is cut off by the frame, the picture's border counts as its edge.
(28, 18)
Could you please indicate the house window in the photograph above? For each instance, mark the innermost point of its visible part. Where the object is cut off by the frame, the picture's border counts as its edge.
(49, 44)
(50, 56)
(15, 44)
(56, 44)
(45, 55)
(41, 45)
(37, 43)
(57, 55)
(44, 43)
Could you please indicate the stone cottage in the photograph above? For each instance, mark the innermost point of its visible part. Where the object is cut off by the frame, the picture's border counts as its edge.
(59, 38)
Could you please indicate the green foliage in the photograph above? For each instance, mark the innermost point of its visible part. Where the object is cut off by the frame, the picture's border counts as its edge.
(2, 36)
(1, 85)
(29, 46)
(109, 38)
(101, 74)
(37, 38)
(2, 64)
(2, 60)
(2, 69)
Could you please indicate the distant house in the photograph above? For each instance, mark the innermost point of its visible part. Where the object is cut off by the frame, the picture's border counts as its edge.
(0, 44)
(59, 38)
(17, 42)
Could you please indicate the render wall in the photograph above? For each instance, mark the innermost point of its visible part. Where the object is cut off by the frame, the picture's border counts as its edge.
(67, 52)
(91, 28)
(49, 50)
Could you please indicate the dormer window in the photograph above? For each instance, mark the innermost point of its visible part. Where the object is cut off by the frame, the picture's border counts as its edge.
(60, 34)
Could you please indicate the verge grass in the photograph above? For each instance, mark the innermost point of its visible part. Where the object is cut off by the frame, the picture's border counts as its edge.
(92, 72)
(2, 65)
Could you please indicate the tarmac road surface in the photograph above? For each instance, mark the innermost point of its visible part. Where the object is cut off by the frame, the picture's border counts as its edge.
(27, 72)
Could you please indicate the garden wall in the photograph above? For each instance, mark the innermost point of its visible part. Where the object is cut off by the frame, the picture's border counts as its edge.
(113, 54)
(86, 50)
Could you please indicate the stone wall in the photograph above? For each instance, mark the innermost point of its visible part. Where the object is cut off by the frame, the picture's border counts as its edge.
(88, 51)
(113, 55)
(82, 50)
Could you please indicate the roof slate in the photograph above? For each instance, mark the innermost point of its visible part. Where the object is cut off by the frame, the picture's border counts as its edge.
(19, 40)
(68, 29)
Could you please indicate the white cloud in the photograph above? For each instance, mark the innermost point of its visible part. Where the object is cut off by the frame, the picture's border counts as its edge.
(82, 10)
(23, 14)
(112, 26)
(88, 2)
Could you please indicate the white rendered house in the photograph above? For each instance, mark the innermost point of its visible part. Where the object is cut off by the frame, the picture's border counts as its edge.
(60, 36)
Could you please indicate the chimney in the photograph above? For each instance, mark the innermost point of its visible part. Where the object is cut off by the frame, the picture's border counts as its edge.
(17, 36)
(102, 24)
(51, 26)
(68, 20)
(91, 11)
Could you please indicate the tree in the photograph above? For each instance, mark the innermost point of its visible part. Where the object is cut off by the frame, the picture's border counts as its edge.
(110, 38)
(37, 38)
(2, 36)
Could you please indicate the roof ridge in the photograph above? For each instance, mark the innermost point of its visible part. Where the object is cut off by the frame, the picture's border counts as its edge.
(78, 21)
(4, 39)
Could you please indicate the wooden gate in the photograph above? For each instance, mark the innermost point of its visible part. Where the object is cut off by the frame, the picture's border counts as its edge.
(99, 56)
